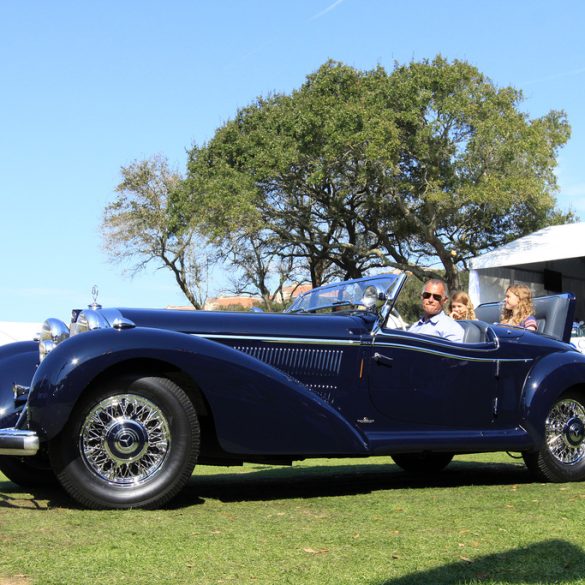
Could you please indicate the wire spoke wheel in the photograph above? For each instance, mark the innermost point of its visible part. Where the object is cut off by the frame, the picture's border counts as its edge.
(565, 431)
(131, 442)
(125, 439)
(561, 456)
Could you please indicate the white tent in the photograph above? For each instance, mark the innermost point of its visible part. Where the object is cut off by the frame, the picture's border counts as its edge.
(548, 261)
(11, 331)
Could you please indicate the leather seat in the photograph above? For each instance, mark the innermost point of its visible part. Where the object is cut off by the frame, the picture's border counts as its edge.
(551, 313)
(474, 331)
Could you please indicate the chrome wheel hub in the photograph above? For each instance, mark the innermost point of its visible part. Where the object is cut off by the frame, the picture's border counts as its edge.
(565, 431)
(574, 432)
(125, 439)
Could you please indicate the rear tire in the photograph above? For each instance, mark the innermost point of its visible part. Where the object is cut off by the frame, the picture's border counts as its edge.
(130, 443)
(424, 462)
(562, 456)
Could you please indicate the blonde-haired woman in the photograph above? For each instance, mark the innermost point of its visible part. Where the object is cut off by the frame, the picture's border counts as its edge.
(460, 306)
(518, 308)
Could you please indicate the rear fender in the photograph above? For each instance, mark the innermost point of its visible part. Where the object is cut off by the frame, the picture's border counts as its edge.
(550, 377)
(18, 363)
(256, 408)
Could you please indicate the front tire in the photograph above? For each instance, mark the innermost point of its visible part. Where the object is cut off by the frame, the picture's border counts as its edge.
(562, 457)
(424, 462)
(130, 443)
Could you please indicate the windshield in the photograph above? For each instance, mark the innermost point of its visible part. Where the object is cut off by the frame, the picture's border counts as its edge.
(344, 294)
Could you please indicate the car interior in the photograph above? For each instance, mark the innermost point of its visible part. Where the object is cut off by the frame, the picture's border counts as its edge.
(475, 331)
(550, 312)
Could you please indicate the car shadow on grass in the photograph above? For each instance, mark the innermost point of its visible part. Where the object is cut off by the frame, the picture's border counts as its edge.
(16, 497)
(263, 483)
(550, 561)
(341, 480)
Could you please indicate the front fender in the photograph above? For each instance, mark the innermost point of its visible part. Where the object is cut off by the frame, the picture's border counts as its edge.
(18, 362)
(549, 378)
(256, 408)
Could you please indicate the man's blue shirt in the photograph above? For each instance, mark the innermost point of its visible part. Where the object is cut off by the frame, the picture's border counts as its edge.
(440, 325)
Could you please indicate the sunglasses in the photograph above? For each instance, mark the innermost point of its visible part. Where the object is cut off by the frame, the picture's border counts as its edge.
(428, 295)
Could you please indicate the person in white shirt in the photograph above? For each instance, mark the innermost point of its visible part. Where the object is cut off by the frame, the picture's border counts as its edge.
(434, 321)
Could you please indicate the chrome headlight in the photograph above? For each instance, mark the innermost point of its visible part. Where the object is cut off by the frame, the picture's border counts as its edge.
(55, 331)
(52, 333)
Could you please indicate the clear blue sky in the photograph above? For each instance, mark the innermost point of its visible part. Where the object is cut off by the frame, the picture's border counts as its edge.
(87, 87)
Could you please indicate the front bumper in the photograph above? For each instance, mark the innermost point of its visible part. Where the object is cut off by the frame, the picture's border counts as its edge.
(18, 442)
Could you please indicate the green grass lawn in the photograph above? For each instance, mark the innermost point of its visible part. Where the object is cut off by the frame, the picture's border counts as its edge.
(359, 521)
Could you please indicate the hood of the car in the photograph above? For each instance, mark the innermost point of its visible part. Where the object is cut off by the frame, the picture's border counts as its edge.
(236, 323)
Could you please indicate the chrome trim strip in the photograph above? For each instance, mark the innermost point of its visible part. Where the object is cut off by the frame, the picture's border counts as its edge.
(433, 340)
(18, 442)
(454, 355)
(309, 340)
(350, 342)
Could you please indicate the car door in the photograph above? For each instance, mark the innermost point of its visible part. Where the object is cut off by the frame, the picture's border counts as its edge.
(429, 381)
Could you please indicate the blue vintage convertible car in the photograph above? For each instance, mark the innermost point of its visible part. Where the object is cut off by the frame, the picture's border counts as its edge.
(121, 404)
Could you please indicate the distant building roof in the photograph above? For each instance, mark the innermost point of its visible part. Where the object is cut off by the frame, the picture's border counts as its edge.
(294, 290)
(555, 242)
(289, 293)
(218, 303)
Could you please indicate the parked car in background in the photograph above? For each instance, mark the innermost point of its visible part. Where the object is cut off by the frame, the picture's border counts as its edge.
(578, 336)
(119, 405)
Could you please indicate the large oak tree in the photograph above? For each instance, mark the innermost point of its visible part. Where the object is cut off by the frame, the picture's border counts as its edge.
(428, 165)
(420, 169)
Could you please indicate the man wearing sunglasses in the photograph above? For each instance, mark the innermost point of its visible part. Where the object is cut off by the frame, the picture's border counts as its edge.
(434, 321)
